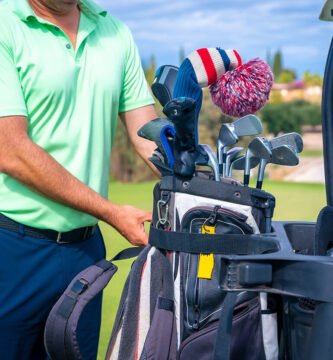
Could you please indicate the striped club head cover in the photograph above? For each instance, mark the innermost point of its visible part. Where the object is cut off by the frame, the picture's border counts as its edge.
(202, 68)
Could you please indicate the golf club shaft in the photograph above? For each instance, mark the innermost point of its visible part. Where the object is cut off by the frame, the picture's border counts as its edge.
(261, 173)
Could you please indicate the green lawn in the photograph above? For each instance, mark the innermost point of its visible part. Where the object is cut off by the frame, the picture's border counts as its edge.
(294, 201)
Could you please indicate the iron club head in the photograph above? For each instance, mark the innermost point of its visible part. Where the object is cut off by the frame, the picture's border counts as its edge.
(282, 155)
(259, 148)
(229, 134)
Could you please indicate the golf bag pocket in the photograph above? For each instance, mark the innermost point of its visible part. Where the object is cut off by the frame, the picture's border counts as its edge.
(203, 296)
(246, 339)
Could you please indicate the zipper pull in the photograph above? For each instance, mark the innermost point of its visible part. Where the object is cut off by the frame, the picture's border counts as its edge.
(212, 217)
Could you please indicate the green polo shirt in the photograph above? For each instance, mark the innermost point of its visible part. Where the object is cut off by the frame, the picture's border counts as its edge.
(71, 98)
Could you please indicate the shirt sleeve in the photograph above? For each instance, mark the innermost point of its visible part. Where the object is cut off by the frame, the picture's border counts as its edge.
(11, 99)
(135, 92)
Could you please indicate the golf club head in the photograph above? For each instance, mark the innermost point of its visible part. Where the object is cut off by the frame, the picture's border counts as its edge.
(293, 140)
(284, 155)
(212, 160)
(239, 164)
(227, 135)
(248, 125)
(231, 155)
(230, 133)
(260, 148)
(164, 83)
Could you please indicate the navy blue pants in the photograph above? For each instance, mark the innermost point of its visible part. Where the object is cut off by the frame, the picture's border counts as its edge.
(33, 274)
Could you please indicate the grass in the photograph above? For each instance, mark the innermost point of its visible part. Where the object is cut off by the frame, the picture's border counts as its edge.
(312, 153)
(294, 201)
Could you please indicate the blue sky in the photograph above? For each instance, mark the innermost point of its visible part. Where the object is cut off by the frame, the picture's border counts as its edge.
(161, 27)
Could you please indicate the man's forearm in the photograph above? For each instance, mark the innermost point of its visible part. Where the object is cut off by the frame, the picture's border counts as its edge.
(34, 167)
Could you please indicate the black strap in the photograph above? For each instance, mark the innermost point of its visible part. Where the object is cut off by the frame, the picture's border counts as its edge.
(60, 331)
(128, 253)
(223, 337)
(211, 244)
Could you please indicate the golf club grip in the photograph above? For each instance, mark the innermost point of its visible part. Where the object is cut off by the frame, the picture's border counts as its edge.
(246, 179)
(259, 184)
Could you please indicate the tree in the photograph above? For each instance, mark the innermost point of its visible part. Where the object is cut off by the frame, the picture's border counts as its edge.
(312, 79)
(150, 70)
(287, 76)
(288, 117)
(277, 64)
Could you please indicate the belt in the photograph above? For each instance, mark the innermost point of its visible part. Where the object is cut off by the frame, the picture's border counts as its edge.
(72, 236)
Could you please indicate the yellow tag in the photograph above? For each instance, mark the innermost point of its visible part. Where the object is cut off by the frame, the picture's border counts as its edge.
(206, 262)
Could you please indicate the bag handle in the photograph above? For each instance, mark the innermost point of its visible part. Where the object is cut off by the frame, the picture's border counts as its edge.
(60, 335)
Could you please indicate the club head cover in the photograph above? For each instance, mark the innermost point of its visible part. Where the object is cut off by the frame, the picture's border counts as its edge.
(160, 165)
(164, 83)
(244, 90)
(185, 162)
(181, 112)
(162, 132)
(202, 68)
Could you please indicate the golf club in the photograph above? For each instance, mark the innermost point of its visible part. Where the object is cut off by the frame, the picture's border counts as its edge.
(230, 156)
(259, 148)
(164, 82)
(281, 155)
(239, 164)
(229, 134)
(209, 160)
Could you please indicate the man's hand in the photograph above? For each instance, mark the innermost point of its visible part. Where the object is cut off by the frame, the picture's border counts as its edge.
(129, 222)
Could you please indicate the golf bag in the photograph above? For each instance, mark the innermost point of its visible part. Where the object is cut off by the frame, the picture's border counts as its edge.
(179, 301)
(172, 306)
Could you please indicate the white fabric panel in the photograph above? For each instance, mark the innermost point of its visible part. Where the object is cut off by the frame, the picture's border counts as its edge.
(185, 202)
(269, 331)
(144, 305)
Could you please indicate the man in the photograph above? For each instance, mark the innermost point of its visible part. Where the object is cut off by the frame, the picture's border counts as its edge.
(67, 69)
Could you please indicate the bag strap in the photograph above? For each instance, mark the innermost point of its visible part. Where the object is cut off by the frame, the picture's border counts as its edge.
(223, 337)
(211, 244)
(60, 335)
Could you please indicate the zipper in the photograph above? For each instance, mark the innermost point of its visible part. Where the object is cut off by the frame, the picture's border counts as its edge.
(196, 322)
(217, 209)
(211, 220)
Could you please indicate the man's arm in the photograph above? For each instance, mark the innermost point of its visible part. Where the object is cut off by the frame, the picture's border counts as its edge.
(28, 163)
(133, 121)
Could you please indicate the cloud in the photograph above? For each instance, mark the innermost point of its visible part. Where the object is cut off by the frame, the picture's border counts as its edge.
(253, 27)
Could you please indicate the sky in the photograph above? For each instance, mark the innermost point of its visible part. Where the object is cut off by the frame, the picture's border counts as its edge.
(252, 27)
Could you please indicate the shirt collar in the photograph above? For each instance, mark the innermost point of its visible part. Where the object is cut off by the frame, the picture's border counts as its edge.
(23, 10)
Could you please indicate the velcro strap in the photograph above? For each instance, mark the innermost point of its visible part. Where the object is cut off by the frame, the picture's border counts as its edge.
(215, 244)
(128, 253)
